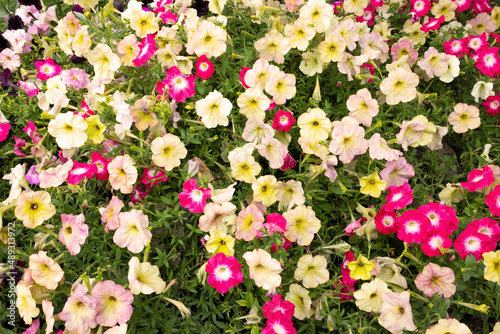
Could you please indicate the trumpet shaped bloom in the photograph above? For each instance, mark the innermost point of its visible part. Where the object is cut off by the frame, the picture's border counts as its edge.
(224, 272)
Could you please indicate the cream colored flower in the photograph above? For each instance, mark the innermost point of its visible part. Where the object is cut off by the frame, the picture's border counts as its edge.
(253, 103)
(144, 278)
(263, 269)
(122, 173)
(464, 118)
(314, 124)
(290, 194)
(244, 168)
(69, 130)
(144, 23)
(168, 151)
(208, 39)
(318, 13)
(214, 110)
(25, 303)
(312, 270)
(301, 225)
(299, 34)
(82, 41)
(45, 271)
(355, 6)
(105, 62)
(273, 46)
(281, 86)
(332, 48)
(369, 296)
(299, 297)
(399, 86)
(265, 190)
(128, 50)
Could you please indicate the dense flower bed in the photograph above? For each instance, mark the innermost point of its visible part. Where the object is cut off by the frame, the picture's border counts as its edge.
(250, 166)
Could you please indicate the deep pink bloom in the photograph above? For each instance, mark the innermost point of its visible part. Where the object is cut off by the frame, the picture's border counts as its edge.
(440, 218)
(371, 70)
(47, 69)
(283, 121)
(470, 242)
(413, 226)
(84, 110)
(4, 131)
(192, 197)
(180, 86)
(398, 197)
(463, 5)
(33, 329)
(243, 71)
(456, 47)
(28, 87)
(481, 6)
(478, 43)
(434, 243)
(420, 7)
(137, 194)
(479, 179)
(160, 5)
(493, 201)
(285, 245)
(492, 105)
(31, 131)
(80, 171)
(20, 143)
(148, 49)
(386, 222)
(224, 272)
(101, 165)
(350, 228)
(376, 3)
(152, 177)
(169, 17)
(279, 325)
(274, 223)
(433, 24)
(488, 62)
(114, 303)
(278, 306)
(288, 163)
(368, 16)
(204, 67)
(487, 227)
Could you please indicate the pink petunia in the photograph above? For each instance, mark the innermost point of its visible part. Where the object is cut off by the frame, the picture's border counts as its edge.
(288, 163)
(153, 176)
(278, 306)
(470, 242)
(169, 17)
(478, 43)
(138, 195)
(133, 231)
(101, 165)
(180, 86)
(492, 105)
(489, 228)
(420, 7)
(492, 200)
(279, 325)
(79, 311)
(224, 272)
(193, 197)
(28, 87)
(73, 232)
(397, 172)
(479, 179)
(147, 50)
(433, 24)
(76, 78)
(456, 47)
(463, 5)
(398, 197)
(19, 144)
(109, 215)
(47, 69)
(4, 131)
(413, 226)
(386, 222)
(440, 218)
(114, 303)
(31, 131)
(435, 279)
(80, 171)
(243, 71)
(274, 223)
(488, 62)
(434, 243)
(204, 67)
(283, 121)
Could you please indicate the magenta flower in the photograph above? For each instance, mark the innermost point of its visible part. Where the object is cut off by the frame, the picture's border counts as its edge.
(433, 24)
(274, 223)
(138, 195)
(147, 50)
(114, 303)
(19, 144)
(288, 163)
(478, 43)
(463, 5)
(204, 68)
(79, 312)
(456, 47)
(434, 243)
(479, 179)
(397, 172)
(32, 176)
(493, 201)
(81, 171)
(488, 227)
(398, 197)
(435, 279)
(73, 232)
(31, 131)
(194, 198)
(4, 131)
(278, 307)
(386, 222)
(169, 17)
(28, 87)
(488, 62)
(152, 177)
(471, 242)
(47, 69)
(244, 71)
(180, 86)
(224, 272)
(281, 325)
(442, 219)
(420, 7)
(283, 121)
(492, 105)
(413, 227)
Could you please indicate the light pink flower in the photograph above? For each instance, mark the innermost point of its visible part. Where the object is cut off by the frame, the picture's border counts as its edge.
(397, 172)
(79, 311)
(73, 232)
(76, 78)
(214, 216)
(133, 232)
(435, 279)
(114, 303)
(122, 173)
(380, 150)
(263, 269)
(109, 215)
(362, 107)
(249, 223)
(348, 141)
(55, 176)
(395, 312)
(45, 271)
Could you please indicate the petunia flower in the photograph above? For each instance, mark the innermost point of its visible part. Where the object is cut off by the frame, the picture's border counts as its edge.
(369, 296)
(249, 222)
(482, 90)
(147, 49)
(399, 86)
(253, 103)
(472, 242)
(492, 200)
(433, 24)
(278, 307)
(348, 141)
(133, 231)
(208, 39)
(45, 271)
(263, 269)
(73, 232)
(479, 179)
(492, 105)
(69, 130)
(79, 311)
(180, 86)
(224, 272)
(449, 326)
(465, 117)
(204, 67)
(47, 69)
(144, 278)
(435, 244)
(25, 303)
(193, 197)
(312, 271)
(277, 324)
(216, 217)
(395, 312)
(435, 279)
(492, 266)
(273, 150)
(397, 172)
(114, 303)
(214, 109)
(302, 224)
(220, 242)
(105, 62)
(168, 151)
(413, 226)
(109, 215)
(299, 296)
(398, 197)
(361, 268)
(273, 46)
(244, 167)
(362, 107)
(101, 166)
(281, 86)
(122, 173)
(372, 185)
(80, 171)
(290, 194)
(34, 207)
(386, 221)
